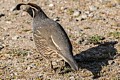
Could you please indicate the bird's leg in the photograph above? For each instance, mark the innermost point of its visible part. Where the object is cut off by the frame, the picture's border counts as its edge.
(44, 57)
(64, 68)
(51, 66)
(61, 68)
(63, 65)
(49, 61)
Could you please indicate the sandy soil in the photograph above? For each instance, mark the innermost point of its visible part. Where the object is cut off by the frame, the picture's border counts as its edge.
(93, 27)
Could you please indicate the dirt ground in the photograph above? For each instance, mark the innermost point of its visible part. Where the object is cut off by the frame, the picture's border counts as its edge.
(93, 27)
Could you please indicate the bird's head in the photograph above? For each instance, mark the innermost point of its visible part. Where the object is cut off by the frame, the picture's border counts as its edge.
(31, 8)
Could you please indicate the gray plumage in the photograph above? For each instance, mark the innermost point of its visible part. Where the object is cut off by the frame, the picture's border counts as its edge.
(49, 35)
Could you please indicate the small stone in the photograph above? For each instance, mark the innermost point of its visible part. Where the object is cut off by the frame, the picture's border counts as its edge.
(92, 8)
(28, 68)
(8, 22)
(90, 15)
(33, 65)
(54, 63)
(87, 12)
(15, 73)
(72, 78)
(78, 18)
(40, 75)
(56, 19)
(5, 36)
(76, 13)
(62, 8)
(110, 62)
(15, 37)
(1, 46)
(84, 16)
(51, 5)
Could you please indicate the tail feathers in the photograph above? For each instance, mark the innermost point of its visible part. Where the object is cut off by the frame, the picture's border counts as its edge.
(72, 64)
(70, 60)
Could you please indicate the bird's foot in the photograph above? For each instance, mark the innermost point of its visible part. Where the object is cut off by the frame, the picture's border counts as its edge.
(62, 70)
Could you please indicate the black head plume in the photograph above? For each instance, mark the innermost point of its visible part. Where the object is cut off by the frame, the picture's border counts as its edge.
(31, 8)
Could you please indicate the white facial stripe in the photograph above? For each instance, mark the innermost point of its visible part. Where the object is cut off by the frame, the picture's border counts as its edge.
(33, 13)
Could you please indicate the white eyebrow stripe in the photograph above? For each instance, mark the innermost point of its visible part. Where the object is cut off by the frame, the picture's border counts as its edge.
(34, 11)
(34, 8)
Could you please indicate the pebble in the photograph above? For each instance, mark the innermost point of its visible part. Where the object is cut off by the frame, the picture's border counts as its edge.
(62, 8)
(72, 78)
(28, 68)
(76, 13)
(110, 62)
(8, 22)
(91, 15)
(40, 75)
(56, 19)
(51, 5)
(92, 8)
(1, 46)
(15, 37)
(54, 63)
(78, 18)
(5, 36)
(87, 12)
(84, 16)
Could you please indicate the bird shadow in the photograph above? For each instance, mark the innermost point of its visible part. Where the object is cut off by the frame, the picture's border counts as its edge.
(93, 59)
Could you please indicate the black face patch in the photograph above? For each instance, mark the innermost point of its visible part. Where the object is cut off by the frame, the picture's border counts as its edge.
(31, 11)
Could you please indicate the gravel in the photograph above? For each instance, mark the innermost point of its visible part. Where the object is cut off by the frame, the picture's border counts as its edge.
(1, 46)
(82, 20)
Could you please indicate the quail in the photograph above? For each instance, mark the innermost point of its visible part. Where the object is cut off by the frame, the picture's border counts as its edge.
(49, 35)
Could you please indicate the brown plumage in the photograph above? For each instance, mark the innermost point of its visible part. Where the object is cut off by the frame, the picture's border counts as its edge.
(49, 35)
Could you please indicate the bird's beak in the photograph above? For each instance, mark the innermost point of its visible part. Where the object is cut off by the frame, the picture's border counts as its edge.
(18, 6)
(14, 9)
